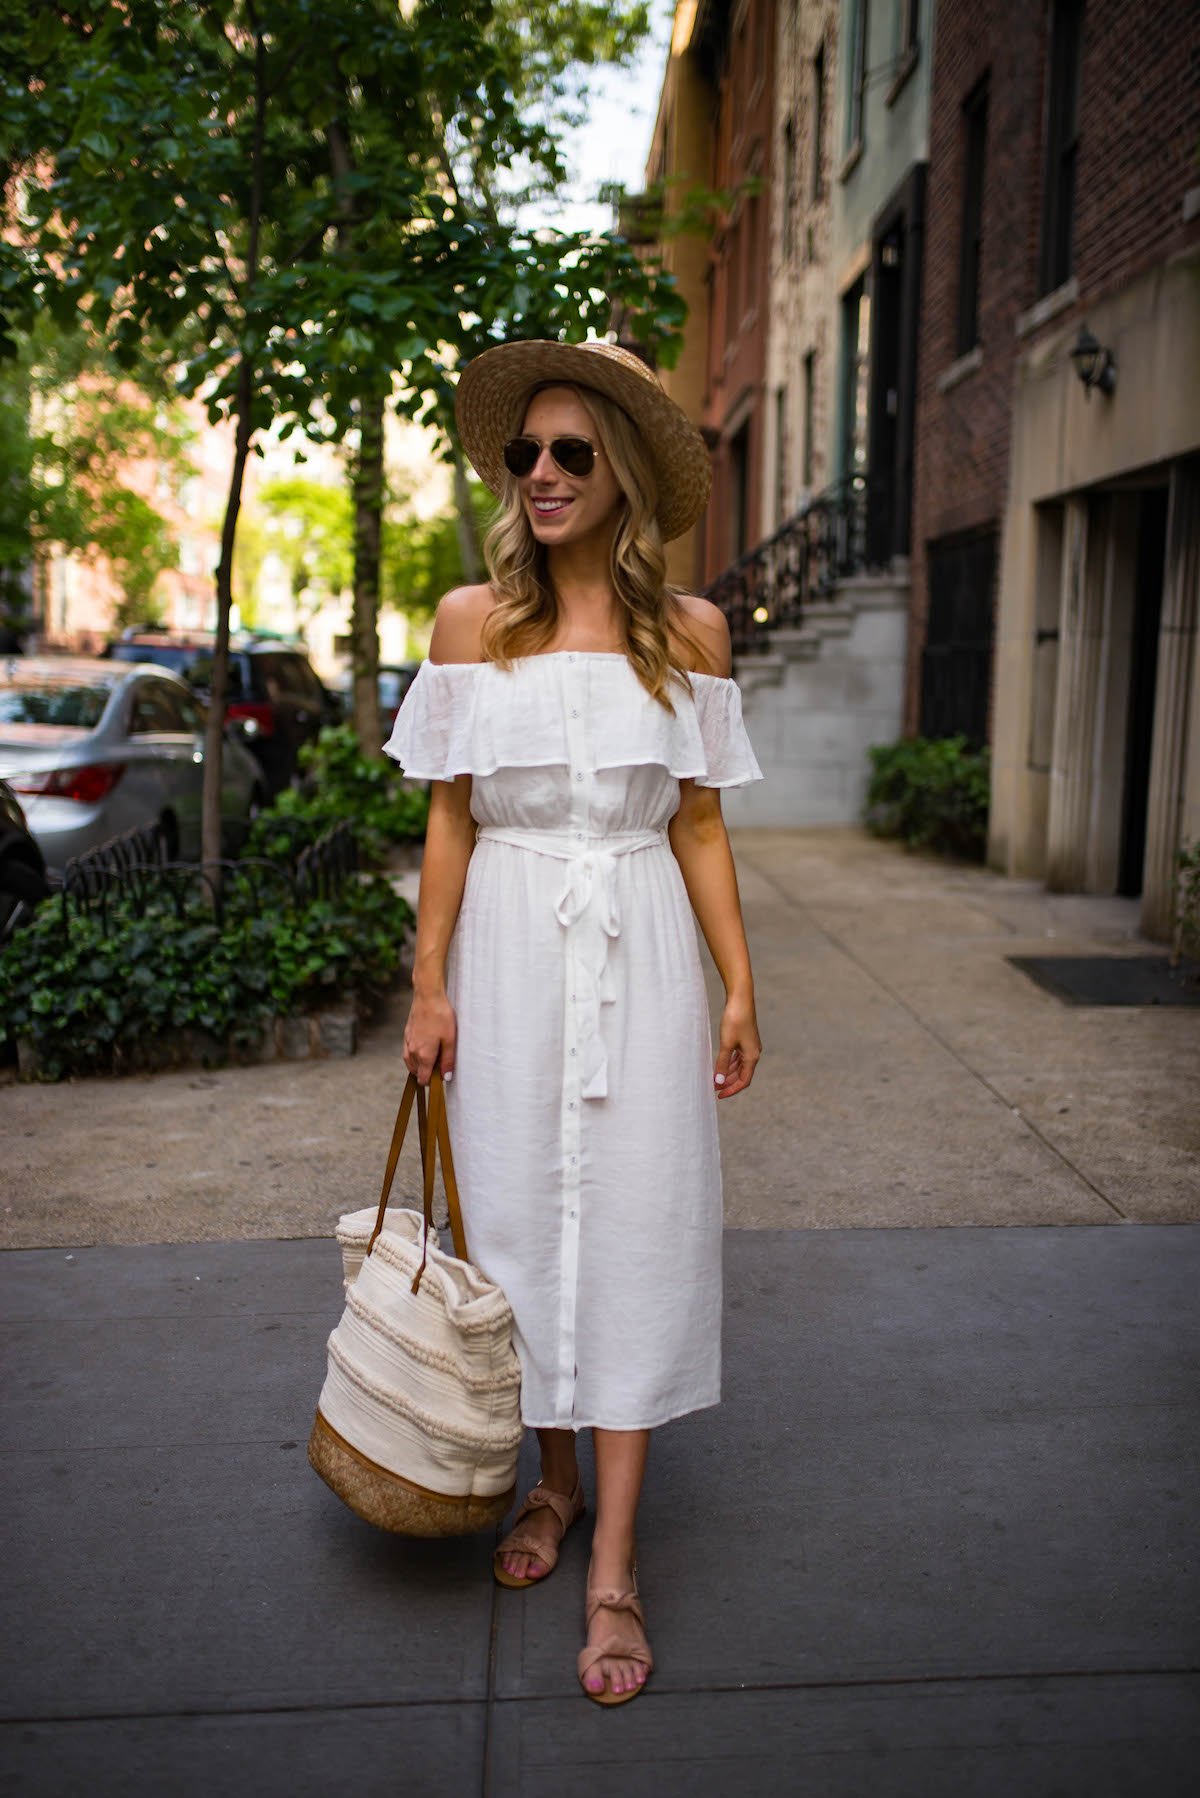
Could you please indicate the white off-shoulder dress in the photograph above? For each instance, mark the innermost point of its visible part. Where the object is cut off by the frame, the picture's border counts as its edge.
(582, 1110)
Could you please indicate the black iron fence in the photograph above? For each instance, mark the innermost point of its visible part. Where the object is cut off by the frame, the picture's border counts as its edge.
(827, 541)
(132, 872)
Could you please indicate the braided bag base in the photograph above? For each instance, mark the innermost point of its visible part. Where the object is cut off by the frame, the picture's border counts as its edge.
(391, 1502)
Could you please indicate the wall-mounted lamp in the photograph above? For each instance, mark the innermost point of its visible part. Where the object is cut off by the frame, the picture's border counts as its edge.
(1093, 363)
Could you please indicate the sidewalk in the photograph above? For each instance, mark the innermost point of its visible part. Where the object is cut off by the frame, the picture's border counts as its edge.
(938, 1542)
(912, 1077)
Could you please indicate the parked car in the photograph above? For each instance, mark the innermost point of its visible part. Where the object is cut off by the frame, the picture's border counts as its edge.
(93, 748)
(23, 882)
(395, 678)
(274, 695)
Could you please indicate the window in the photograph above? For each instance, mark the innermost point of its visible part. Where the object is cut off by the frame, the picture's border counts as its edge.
(975, 133)
(858, 74)
(817, 185)
(787, 233)
(856, 341)
(956, 663)
(750, 281)
(781, 497)
(810, 387)
(157, 709)
(910, 12)
(1061, 148)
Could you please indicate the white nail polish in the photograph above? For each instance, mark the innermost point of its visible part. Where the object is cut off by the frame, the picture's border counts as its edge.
(720, 1079)
(448, 1078)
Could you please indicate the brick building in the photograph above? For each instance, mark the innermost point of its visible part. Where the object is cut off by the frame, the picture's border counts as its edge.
(1054, 548)
(734, 44)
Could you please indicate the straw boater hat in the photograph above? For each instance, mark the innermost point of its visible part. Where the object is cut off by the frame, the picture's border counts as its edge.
(495, 386)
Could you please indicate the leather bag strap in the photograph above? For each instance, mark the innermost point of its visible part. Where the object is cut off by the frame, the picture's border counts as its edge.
(434, 1131)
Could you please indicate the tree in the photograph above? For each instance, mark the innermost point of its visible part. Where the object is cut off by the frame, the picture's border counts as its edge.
(74, 429)
(200, 200)
(307, 525)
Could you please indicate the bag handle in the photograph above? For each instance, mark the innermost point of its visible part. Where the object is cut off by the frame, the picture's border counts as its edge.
(434, 1131)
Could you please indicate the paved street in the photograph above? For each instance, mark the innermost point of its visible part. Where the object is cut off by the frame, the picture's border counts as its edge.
(939, 1541)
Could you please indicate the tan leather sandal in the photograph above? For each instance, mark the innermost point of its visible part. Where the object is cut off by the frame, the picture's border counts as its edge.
(600, 1598)
(524, 1542)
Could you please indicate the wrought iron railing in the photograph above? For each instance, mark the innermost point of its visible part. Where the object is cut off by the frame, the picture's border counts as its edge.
(824, 543)
(133, 871)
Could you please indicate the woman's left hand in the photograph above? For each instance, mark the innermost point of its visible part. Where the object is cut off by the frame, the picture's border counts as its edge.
(740, 1047)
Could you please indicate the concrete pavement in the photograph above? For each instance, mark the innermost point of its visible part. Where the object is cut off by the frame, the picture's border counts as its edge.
(939, 1541)
(912, 1077)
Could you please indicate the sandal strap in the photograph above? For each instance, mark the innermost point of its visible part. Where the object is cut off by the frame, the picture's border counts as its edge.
(564, 1508)
(601, 1598)
(524, 1542)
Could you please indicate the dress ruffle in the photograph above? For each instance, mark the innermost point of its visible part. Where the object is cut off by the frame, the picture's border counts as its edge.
(450, 722)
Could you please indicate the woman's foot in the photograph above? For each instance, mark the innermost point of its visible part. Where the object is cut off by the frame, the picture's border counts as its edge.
(617, 1661)
(530, 1550)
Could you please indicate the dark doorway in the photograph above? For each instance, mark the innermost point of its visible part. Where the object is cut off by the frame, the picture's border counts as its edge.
(898, 241)
(739, 492)
(1143, 674)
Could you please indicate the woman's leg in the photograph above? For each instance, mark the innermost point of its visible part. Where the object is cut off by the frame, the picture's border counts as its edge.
(620, 1468)
(560, 1471)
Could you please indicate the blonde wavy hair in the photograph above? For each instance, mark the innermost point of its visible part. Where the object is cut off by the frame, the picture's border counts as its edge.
(526, 614)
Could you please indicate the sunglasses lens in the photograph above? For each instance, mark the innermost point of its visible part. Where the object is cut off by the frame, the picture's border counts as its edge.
(520, 455)
(574, 455)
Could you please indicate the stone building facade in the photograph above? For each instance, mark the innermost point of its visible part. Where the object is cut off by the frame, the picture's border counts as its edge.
(800, 387)
(1055, 527)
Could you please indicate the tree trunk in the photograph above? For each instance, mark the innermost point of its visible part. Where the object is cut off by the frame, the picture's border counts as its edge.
(468, 542)
(214, 733)
(368, 487)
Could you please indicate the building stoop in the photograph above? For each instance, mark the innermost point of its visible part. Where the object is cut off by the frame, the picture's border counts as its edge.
(816, 699)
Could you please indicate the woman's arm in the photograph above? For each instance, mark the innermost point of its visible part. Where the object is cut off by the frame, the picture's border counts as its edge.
(431, 1029)
(701, 847)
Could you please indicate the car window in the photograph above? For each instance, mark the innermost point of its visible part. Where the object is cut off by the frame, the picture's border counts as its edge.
(163, 655)
(189, 711)
(278, 675)
(80, 707)
(200, 675)
(156, 707)
(306, 680)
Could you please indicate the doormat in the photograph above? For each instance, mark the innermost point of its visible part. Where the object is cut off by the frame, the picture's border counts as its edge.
(1113, 979)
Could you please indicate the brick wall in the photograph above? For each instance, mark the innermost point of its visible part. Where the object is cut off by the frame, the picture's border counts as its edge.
(742, 147)
(1139, 129)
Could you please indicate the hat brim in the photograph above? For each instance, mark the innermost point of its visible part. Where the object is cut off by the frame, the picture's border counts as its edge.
(494, 386)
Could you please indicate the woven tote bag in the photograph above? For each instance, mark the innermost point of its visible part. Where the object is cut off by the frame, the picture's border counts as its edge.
(419, 1420)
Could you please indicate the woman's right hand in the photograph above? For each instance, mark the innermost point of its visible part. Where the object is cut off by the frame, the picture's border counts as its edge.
(429, 1036)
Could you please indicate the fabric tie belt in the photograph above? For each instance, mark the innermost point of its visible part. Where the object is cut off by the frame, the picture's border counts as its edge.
(588, 910)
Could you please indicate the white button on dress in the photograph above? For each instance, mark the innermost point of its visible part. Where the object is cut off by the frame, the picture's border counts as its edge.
(582, 1109)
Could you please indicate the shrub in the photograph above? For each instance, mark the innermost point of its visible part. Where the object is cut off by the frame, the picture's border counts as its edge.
(87, 997)
(341, 784)
(932, 793)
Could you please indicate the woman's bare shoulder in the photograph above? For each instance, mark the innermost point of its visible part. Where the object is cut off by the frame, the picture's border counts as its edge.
(458, 627)
(708, 630)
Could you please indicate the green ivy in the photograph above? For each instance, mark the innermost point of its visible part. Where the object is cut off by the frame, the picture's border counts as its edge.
(88, 996)
(932, 793)
(341, 785)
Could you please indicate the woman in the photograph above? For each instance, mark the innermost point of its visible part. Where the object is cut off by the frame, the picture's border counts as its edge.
(576, 722)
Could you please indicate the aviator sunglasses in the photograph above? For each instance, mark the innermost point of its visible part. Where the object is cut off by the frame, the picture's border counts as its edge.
(574, 455)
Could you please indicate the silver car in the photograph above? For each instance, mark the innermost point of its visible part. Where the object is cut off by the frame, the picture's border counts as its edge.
(93, 748)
